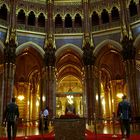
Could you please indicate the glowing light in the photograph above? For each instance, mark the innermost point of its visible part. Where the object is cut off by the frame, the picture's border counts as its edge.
(112, 100)
(21, 97)
(37, 103)
(43, 99)
(119, 95)
(97, 97)
(103, 102)
(70, 99)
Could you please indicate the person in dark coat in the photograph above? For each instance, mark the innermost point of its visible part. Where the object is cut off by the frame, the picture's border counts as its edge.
(11, 116)
(124, 114)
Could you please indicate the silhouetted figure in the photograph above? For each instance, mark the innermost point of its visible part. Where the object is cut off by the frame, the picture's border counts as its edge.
(11, 116)
(45, 115)
(124, 114)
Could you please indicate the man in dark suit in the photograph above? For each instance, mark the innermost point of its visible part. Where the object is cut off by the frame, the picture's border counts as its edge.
(124, 114)
(11, 116)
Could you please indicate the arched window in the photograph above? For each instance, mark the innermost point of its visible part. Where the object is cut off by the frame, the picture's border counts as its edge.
(115, 14)
(31, 18)
(68, 21)
(3, 12)
(58, 21)
(133, 8)
(41, 20)
(95, 19)
(105, 16)
(78, 21)
(21, 17)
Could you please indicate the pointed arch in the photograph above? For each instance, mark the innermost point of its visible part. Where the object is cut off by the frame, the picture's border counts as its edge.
(3, 12)
(95, 18)
(8, 9)
(21, 16)
(68, 21)
(31, 18)
(71, 46)
(41, 20)
(133, 8)
(105, 16)
(114, 44)
(30, 44)
(78, 20)
(58, 21)
(115, 15)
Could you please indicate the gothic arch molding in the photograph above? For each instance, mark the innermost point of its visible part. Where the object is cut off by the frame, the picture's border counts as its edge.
(30, 44)
(71, 46)
(137, 42)
(114, 44)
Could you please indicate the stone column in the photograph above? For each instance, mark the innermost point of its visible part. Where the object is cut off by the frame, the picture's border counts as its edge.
(9, 55)
(12, 18)
(2, 90)
(50, 16)
(49, 63)
(88, 59)
(50, 79)
(89, 94)
(9, 72)
(97, 92)
(26, 21)
(129, 53)
(86, 22)
(50, 89)
(36, 21)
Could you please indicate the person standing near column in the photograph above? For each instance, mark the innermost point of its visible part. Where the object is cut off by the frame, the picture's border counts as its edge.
(11, 116)
(45, 114)
(124, 114)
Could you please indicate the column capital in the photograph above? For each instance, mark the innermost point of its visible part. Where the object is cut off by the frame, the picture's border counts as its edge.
(129, 51)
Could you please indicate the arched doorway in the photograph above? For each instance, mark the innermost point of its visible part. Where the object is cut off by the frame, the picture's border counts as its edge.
(69, 81)
(29, 64)
(109, 63)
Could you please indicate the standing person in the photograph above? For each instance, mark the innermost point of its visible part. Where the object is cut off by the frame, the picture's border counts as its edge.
(46, 114)
(11, 116)
(124, 114)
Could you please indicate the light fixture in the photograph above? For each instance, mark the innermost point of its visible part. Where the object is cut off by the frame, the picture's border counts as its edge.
(37, 103)
(119, 95)
(21, 97)
(43, 99)
(70, 99)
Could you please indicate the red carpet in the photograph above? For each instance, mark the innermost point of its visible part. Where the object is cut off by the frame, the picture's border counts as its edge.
(89, 136)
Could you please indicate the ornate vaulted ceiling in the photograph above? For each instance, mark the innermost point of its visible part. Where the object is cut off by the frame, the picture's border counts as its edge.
(59, 1)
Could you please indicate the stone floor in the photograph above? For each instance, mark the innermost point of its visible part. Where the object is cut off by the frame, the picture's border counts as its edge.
(100, 128)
